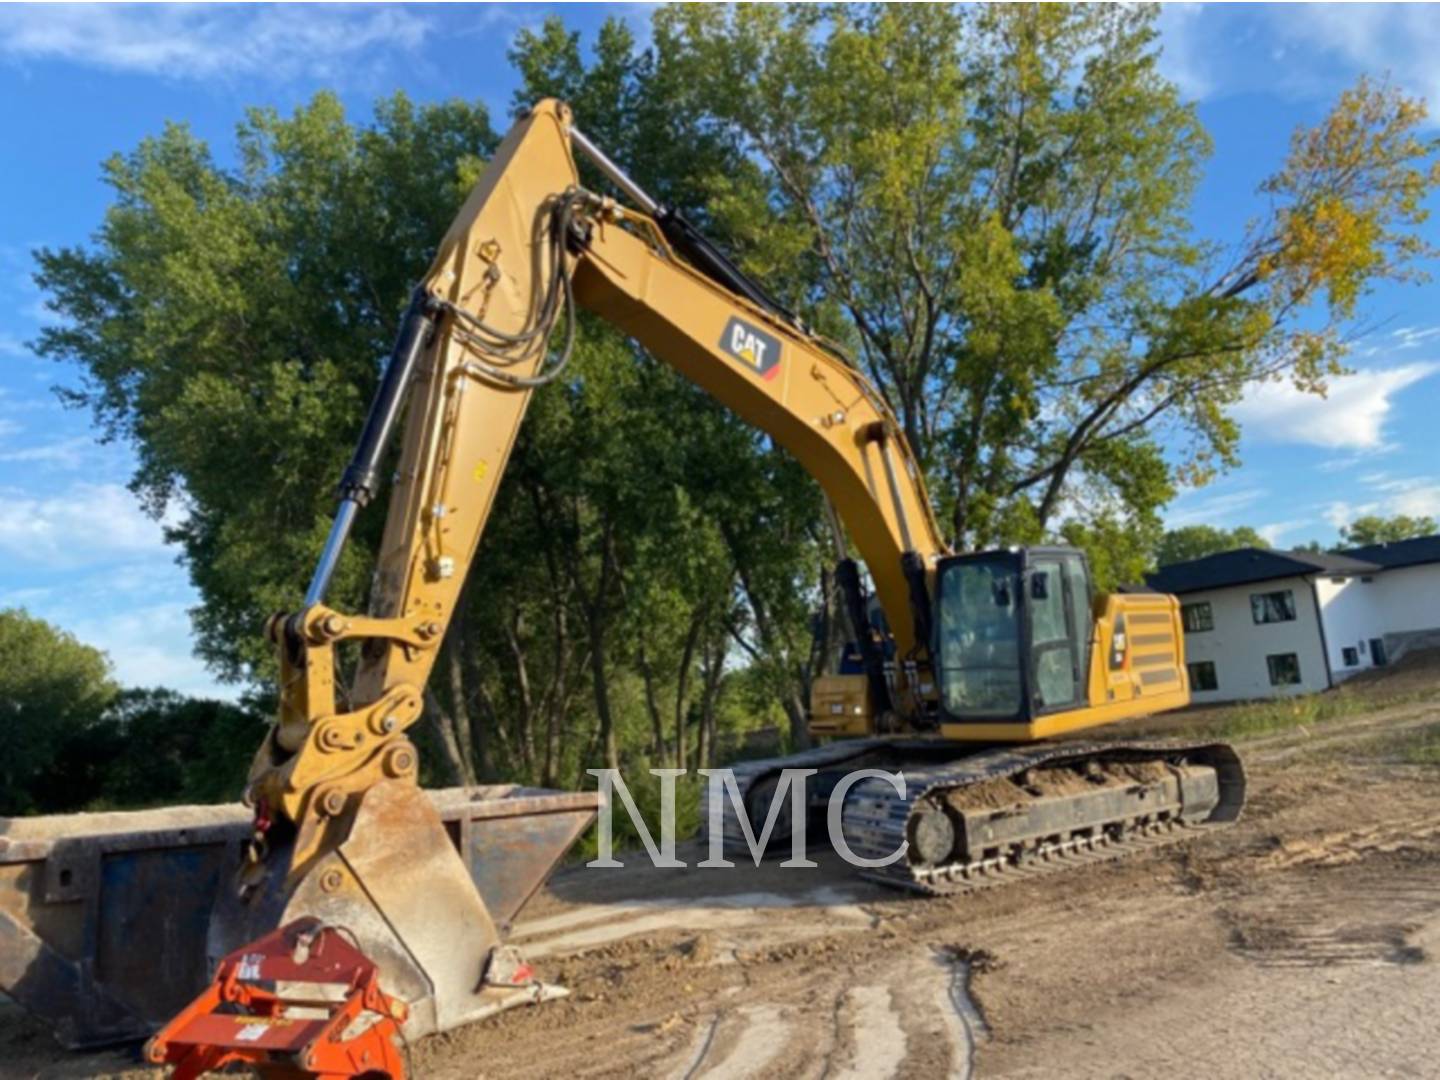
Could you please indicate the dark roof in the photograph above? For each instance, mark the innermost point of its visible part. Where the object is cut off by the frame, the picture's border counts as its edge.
(1248, 565)
(1421, 549)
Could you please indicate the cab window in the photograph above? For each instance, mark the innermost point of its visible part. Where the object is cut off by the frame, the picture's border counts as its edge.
(979, 630)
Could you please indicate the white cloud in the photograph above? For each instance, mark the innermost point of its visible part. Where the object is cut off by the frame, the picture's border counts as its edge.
(1278, 529)
(1218, 509)
(1413, 496)
(85, 524)
(1184, 48)
(208, 41)
(1412, 337)
(10, 345)
(1350, 416)
(1301, 51)
(1423, 500)
(1340, 464)
(151, 646)
(136, 610)
(1399, 39)
(1341, 513)
(63, 454)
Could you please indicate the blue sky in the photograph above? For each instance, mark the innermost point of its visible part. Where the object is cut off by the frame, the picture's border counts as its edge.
(77, 84)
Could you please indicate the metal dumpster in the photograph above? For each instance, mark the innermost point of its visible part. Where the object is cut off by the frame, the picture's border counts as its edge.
(104, 917)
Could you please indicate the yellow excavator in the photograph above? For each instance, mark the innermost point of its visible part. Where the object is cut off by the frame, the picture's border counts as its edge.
(962, 668)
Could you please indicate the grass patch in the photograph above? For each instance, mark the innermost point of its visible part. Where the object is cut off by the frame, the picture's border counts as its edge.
(1413, 746)
(645, 790)
(1253, 719)
(1424, 749)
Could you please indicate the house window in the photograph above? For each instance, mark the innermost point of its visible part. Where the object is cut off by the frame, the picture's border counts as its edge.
(1202, 675)
(1273, 606)
(1350, 656)
(1284, 669)
(1197, 617)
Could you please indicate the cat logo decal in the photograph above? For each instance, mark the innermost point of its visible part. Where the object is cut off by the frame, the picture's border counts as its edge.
(752, 346)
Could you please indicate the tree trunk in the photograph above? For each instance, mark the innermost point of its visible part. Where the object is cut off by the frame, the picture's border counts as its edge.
(712, 667)
(682, 684)
(558, 699)
(480, 739)
(493, 735)
(513, 631)
(459, 713)
(444, 727)
(796, 671)
(601, 685)
(652, 704)
(596, 605)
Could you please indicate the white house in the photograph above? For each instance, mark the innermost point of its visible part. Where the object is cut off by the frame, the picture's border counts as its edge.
(1396, 607)
(1265, 623)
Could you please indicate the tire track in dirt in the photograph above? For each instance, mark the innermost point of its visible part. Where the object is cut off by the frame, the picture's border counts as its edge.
(1345, 900)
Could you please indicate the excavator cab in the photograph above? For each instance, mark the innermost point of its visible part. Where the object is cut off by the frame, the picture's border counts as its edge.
(1013, 633)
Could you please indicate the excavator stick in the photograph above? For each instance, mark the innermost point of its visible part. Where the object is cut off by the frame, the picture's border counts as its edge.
(111, 923)
(345, 1026)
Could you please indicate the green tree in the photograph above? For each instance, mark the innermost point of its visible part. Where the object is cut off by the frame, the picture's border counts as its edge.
(52, 687)
(986, 206)
(1375, 529)
(231, 322)
(680, 511)
(154, 748)
(1197, 541)
(989, 206)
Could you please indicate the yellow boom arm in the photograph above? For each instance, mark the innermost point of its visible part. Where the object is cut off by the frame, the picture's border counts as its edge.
(469, 357)
(526, 249)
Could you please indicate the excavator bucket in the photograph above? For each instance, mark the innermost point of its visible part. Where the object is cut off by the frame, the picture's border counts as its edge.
(111, 923)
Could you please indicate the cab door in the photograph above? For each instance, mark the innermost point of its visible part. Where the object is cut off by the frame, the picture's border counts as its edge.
(1058, 617)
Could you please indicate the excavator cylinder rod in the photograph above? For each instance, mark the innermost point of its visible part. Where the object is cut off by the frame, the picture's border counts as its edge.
(361, 479)
(612, 172)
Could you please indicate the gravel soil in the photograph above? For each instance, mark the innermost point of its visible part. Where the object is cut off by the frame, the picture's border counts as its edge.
(1301, 942)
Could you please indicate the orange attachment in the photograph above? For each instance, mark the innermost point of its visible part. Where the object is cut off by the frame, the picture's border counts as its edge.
(243, 1016)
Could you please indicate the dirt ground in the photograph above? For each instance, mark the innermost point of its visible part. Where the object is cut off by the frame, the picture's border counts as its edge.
(1301, 942)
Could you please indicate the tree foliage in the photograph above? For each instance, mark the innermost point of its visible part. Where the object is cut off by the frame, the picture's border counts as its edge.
(1375, 529)
(230, 323)
(152, 748)
(52, 688)
(987, 207)
(1197, 541)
